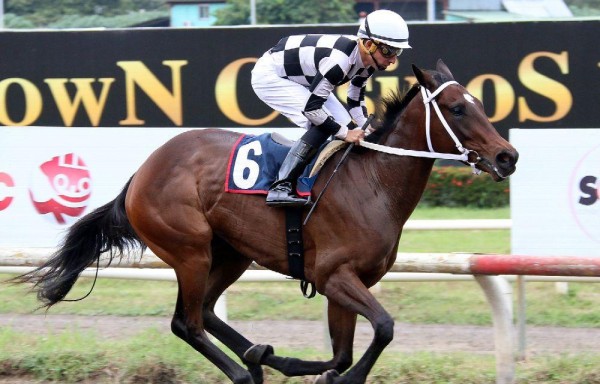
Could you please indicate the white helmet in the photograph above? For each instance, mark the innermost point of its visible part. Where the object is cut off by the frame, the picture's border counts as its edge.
(385, 26)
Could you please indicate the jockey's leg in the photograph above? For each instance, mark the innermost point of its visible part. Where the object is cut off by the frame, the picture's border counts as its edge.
(283, 191)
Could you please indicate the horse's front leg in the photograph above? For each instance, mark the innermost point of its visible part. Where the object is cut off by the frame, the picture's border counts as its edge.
(342, 324)
(346, 289)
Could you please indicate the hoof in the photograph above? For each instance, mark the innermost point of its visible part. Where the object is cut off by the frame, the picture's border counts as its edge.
(256, 353)
(327, 377)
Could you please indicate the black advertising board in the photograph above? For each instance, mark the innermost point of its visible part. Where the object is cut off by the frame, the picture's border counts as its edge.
(528, 74)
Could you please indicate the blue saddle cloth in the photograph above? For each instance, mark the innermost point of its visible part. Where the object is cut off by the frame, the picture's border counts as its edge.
(254, 162)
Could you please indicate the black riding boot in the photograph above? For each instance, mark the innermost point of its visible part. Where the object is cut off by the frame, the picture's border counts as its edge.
(282, 193)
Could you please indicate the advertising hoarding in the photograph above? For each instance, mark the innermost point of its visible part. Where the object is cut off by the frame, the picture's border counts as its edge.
(50, 177)
(555, 192)
(528, 74)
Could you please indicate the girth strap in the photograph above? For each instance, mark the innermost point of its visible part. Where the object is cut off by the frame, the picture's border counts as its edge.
(295, 249)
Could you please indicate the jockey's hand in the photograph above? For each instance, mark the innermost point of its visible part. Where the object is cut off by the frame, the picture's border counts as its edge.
(354, 136)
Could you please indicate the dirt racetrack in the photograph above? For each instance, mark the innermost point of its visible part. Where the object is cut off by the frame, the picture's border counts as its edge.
(407, 337)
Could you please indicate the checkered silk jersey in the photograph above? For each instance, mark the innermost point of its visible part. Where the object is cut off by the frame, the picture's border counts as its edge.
(321, 63)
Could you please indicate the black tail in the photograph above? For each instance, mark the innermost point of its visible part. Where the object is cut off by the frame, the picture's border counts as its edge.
(106, 229)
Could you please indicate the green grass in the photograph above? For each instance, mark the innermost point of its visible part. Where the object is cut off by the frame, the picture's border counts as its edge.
(443, 241)
(432, 213)
(473, 241)
(454, 302)
(153, 357)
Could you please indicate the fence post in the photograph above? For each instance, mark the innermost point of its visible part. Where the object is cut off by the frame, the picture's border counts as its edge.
(499, 295)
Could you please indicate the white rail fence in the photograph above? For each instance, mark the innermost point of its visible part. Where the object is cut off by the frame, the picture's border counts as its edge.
(484, 269)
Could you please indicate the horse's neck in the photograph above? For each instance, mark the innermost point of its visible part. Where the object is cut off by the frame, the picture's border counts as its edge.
(402, 179)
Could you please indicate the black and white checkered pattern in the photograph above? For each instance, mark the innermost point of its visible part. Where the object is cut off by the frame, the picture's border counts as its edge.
(320, 63)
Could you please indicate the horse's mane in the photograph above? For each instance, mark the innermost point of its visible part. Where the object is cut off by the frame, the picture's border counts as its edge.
(392, 105)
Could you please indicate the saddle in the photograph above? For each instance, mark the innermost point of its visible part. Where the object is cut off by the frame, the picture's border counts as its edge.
(254, 162)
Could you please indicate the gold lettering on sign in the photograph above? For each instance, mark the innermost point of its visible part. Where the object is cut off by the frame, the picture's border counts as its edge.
(504, 94)
(84, 95)
(545, 86)
(33, 102)
(136, 73)
(387, 85)
(226, 94)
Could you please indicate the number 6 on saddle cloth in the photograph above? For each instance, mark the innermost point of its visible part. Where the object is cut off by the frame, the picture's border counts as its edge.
(254, 162)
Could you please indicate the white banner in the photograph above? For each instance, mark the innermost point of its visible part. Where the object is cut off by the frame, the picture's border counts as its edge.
(555, 192)
(50, 177)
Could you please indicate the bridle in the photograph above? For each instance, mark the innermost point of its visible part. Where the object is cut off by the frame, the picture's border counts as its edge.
(428, 100)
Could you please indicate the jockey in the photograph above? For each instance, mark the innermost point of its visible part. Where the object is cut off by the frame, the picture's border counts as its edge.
(297, 78)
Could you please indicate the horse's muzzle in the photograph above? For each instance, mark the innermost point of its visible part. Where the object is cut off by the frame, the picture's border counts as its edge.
(506, 162)
(503, 165)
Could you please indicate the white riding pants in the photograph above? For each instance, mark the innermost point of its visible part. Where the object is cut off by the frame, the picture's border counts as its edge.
(288, 97)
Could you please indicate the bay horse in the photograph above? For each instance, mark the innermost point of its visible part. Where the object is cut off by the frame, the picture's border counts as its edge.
(176, 205)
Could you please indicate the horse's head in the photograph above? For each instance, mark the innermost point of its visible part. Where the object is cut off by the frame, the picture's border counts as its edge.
(461, 125)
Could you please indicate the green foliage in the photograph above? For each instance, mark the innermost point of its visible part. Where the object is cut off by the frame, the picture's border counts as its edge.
(585, 11)
(590, 4)
(237, 12)
(97, 21)
(458, 187)
(82, 14)
(584, 7)
(13, 21)
(287, 12)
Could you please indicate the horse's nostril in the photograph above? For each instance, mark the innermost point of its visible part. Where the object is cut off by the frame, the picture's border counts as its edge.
(506, 159)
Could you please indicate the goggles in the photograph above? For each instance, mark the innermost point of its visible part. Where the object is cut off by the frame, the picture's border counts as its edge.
(387, 51)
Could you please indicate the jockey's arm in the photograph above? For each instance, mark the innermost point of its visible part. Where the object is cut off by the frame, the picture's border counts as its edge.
(321, 88)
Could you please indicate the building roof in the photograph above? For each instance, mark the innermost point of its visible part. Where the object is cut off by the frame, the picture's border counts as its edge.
(483, 16)
(538, 8)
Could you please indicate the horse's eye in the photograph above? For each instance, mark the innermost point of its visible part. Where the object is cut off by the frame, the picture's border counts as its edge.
(457, 111)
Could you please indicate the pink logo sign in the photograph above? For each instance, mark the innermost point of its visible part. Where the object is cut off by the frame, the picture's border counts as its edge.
(61, 187)
(6, 190)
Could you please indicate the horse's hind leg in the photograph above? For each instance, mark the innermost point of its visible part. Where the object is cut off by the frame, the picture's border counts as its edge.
(192, 274)
(228, 265)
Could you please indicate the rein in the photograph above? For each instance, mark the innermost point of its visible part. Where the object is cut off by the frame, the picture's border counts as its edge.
(429, 98)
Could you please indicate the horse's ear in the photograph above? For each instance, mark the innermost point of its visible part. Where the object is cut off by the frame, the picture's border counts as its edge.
(424, 78)
(443, 68)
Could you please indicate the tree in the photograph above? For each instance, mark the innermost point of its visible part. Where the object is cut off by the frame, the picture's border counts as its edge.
(66, 13)
(584, 7)
(288, 12)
